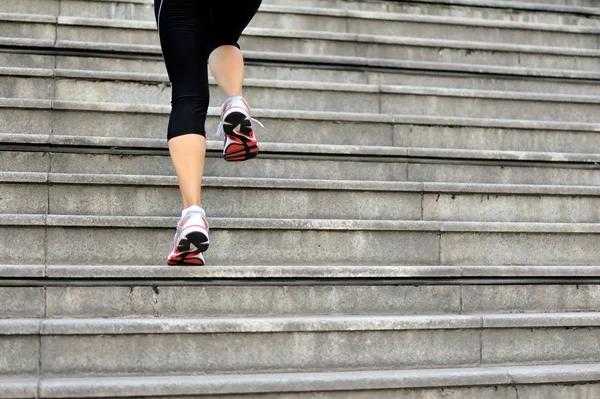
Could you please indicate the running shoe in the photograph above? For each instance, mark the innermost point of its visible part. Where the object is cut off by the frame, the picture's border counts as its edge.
(191, 239)
(236, 123)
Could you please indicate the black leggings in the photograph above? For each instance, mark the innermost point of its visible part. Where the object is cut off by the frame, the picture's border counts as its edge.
(189, 31)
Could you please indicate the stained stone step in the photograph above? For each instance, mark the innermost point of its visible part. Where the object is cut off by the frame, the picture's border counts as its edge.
(378, 23)
(105, 347)
(221, 274)
(152, 71)
(108, 240)
(568, 381)
(492, 10)
(270, 291)
(27, 120)
(303, 67)
(583, 7)
(123, 195)
(305, 166)
(41, 31)
(330, 97)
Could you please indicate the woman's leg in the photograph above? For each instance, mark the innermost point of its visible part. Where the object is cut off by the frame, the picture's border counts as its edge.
(183, 34)
(182, 26)
(227, 21)
(227, 67)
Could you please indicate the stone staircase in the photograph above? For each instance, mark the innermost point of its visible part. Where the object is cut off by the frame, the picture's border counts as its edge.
(422, 223)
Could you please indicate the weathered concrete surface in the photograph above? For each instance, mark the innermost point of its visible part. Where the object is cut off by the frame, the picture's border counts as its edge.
(94, 355)
(18, 302)
(224, 300)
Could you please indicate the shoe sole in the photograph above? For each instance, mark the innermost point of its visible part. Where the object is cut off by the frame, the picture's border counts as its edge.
(197, 238)
(185, 259)
(242, 148)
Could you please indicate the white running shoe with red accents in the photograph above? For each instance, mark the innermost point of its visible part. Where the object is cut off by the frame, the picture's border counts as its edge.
(236, 123)
(191, 238)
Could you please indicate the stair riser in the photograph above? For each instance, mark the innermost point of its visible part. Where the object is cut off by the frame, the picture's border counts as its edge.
(391, 6)
(134, 246)
(299, 203)
(547, 391)
(315, 47)
(41, 7)
(308, 168)
(63, 355)
(320, 23)
(495, 392)
(293, 300)
(312, 74)
(422, 29)
(303, 99)
(154, 126)
(145, 12)
(136, 125)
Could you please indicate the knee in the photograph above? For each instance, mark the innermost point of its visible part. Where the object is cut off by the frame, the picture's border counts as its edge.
(188, 116)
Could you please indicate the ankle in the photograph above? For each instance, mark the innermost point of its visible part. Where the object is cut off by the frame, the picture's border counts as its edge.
(195, 208)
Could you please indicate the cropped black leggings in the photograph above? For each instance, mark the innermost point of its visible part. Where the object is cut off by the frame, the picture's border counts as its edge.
(189, 31)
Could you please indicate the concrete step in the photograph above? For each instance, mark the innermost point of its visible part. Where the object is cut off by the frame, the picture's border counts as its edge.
(52, 275)
(310, 165)
(271, 291)
(365, 22)
(42, 31)
(148, 59)
(42, 120)
(328, 97)
(152, 71)
(107, 240)
(111, 347)
(492, 10)
(144, 195)
(580, 7)
(568, 381)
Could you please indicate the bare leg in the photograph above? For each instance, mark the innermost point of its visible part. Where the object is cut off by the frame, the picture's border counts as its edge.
(227, 67)
(187, 153)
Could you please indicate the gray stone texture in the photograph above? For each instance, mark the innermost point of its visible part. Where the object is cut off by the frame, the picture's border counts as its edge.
(519, 249)
(17, 161)
(304, 168)
(29, 30)
(290, 247)
(156, 66)
(109, 10)
(540, 346)
(21, 245)
(504, 174)
(14, 120)
(211, 353)
(21, 302)
(23, 198)
(510, 208)
(26, 87)
(478, 138)
(248, 301)
(100, 301)
(42, 7)
(571, 391)
(494, 392)
(20, 356)
(530, 298)
(18, 388)
(231, 202)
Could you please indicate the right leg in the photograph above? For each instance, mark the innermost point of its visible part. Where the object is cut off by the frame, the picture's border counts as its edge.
(182, 26)
(227, 21)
